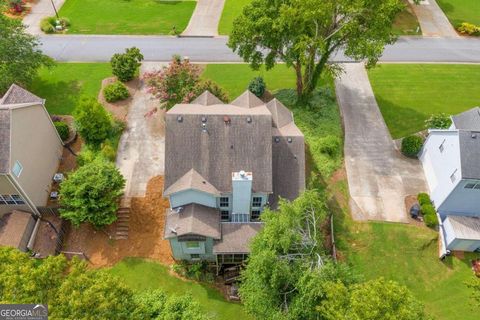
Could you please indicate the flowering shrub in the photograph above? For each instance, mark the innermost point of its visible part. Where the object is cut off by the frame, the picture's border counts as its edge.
(180, 82)
(469, 28)
(438, 121)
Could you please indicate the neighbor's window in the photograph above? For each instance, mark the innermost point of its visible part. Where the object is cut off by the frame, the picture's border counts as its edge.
(17, 199)
(194, 256)
(225, 215)
(224, 202)
(6, 199)
(442, 146)
(257, 202)
(255, 215)
(453, 177)
(470, 185)
(192, 244)
(17, 169)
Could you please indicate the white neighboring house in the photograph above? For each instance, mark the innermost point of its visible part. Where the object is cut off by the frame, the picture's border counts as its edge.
(451, 161)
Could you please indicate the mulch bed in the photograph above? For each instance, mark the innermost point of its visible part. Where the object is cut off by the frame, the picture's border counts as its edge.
(119, 109)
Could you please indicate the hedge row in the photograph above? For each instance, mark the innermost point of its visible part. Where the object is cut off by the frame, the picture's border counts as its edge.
(428, 211)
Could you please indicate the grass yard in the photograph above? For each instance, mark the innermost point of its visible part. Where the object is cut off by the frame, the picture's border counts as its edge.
(409, 255)
(409, 93)
(127, 16)
(231, 10)
(66, 83)
(459, 11)
(141, 275)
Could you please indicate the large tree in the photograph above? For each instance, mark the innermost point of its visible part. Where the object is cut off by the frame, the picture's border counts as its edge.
(20, 56)
(306, 33)
(91, 193)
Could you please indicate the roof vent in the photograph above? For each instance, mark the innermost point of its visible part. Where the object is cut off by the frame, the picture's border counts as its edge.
(242, 173)
(474, 136)
(249, 119)
(227, 119)
(180, 119)
(204, 127)
(290, 140)
(173, 230)
(204, 119)
(277, 139)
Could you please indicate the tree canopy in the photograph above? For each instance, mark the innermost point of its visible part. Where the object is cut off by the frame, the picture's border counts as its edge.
(93, 122)
(306, 33)
(20, 56)
(91, 193)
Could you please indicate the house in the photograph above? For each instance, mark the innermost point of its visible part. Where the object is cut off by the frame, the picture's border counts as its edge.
(451, 161)
(224, 163)
(30, 151)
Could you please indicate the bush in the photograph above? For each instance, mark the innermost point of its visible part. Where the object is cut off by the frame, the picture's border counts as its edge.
(423, 198)
(429, 214)
(107, 151)
(213, 88)
(87, 155)
(193, 270)
(63, 130)
(125, 65)
(411, 146)
(329, 145)
(257, 86)
(93, 122)
(438, 121)
(469, 28)
(47, 25)
(115, 91)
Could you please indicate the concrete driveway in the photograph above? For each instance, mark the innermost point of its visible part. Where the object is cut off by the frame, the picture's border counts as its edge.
(433, 21)
(205, 19)
(40, 10)
(141, 152)
(379, 177)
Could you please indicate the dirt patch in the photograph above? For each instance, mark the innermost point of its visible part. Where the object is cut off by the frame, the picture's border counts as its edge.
(48, 235)
(119, 109)
(145, 239)
(410, 200)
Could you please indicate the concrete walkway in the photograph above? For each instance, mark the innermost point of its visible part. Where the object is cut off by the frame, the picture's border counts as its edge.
(432, 20)
(379, 177)
(205, 19)
(40, 10)
(141, 151)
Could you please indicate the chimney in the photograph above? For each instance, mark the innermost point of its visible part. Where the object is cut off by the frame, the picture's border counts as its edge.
(241, 192)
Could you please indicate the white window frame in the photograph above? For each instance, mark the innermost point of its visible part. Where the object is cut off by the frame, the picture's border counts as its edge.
(20, 169)
(453, 176)
(442, 146)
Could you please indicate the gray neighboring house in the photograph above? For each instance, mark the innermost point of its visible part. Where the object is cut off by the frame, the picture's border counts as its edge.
(30, 152)
(224, 163)
(451, 161)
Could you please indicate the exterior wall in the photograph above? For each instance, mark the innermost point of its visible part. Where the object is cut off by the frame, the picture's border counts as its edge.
(461, 201)
(37, 146)
(192, 196)
(454, 243)
(181, 252)
(242, 193)
(439, 166)
(6, 187)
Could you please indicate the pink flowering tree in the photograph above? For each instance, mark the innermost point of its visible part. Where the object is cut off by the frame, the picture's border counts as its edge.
(180, 82)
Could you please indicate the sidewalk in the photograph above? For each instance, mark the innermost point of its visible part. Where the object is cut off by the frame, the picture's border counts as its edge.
(432, 20)
(205, 19)
(40, 10)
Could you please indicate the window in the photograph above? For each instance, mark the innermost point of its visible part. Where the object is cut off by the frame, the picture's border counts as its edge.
(240, 217)
(255, 215)
(223, 202)
(453, 177)
(257, 202)
(442, 146)
(225, 215)
(17, 169)
(473, 185)
(194, 256)
(13, 199)
(192, 244)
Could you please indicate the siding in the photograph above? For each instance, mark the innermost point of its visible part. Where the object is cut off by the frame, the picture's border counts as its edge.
(192, 196)
(461, 201)
(180, 252)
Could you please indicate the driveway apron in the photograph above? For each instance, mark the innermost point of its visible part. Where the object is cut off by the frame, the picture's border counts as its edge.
(205, 19)
(432, 20)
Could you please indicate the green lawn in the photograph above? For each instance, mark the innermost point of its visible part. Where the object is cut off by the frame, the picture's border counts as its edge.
(66, 83)
(127, 16)
(409, 93)
(141, 274)
(231, 10)
(459, 11)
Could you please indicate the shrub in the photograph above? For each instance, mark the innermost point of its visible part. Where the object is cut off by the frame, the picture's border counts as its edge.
(329, 145)
(107, 151)
(93, 122)
(87, 155)
(469, 28)
(257, 86)
(214, 89)
(115, 91)
(125, 65)
(411, 146)
(429, 215)
(47, 25)
(438, 121)
(423, 198)
(63, 130)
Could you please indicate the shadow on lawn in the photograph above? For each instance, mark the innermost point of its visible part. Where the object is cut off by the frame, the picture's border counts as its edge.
(61, 97)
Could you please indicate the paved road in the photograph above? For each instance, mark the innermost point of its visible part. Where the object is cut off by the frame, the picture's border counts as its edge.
(160, 48)
(379, 177)
(205, 18)
(432, 20)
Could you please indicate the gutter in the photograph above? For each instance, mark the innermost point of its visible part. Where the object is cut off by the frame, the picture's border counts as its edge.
(443, 252)
(36, 213)
(33, 236)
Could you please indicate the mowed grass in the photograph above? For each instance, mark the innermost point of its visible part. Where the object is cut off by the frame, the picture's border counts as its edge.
(409, 93)
(459, 11)
(140, 275)
(141, 17)
(64, 85)
(231, 10)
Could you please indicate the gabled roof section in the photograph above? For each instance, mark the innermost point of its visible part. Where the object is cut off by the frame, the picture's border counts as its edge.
(207, 99)
(247, 100)
(17, 95)
(191, 180)
(468, 120)
(4, 140)
(281, 116)
(193, 219)
(470, 153)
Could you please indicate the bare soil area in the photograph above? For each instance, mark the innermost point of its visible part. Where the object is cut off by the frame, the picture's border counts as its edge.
(145, 239)
(119, 109)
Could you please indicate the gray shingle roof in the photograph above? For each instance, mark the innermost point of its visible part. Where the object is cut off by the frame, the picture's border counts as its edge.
(193, 219)
(4, 140)
(191, 180)
(207, 99)
(247, 100)
(281, 116)
(470, 153)
(468, 120)
(236, 237)
(18, 95)
(465, 227)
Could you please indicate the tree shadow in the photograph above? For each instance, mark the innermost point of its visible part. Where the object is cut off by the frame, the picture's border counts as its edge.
(61, 97)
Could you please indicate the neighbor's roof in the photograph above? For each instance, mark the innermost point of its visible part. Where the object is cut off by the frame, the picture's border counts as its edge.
(17, 95)
(465, 227)
(13, 227)
(191, 180)
(468, 120)
(193, 219)
(236, 237)
(470, 154)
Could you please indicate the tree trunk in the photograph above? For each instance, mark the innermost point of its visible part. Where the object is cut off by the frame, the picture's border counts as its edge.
(298, 73)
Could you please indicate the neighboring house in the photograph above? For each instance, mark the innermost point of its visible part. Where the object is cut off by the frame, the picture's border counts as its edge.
(30, 151)
(223, 164)
(451, 161)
